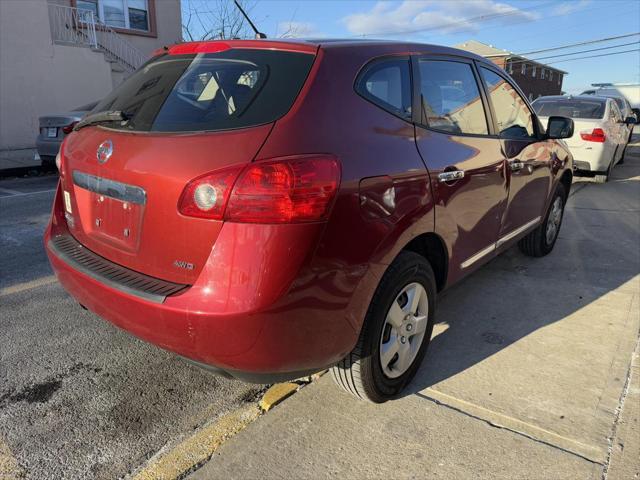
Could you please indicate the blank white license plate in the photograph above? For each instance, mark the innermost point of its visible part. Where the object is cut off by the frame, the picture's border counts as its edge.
(52, 132)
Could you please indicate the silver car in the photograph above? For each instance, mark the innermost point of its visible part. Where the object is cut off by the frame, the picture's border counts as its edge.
(53, 129)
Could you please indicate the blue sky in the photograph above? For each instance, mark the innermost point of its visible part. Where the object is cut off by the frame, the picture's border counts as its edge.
(518, 26)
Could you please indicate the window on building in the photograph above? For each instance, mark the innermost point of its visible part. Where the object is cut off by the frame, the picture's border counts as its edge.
(523, 69)
(510, 67)
(129, 14)
(533, 71)
(543, 72)
(550, 75)
(451, 98)
(91, 5)
(559, 79)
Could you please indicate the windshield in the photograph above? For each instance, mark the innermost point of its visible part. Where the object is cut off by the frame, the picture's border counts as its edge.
(588, 109)
(217, 91)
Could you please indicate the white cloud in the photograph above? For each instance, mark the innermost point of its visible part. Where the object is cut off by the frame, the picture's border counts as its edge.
(571, 6)
(415, 16)
(298, 30)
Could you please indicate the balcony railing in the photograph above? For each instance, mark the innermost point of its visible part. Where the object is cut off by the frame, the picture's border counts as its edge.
(73, 26)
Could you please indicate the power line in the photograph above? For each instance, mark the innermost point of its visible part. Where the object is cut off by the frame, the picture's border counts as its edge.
(581, 25)
(514, 62)
(594, 56)
(589, 42)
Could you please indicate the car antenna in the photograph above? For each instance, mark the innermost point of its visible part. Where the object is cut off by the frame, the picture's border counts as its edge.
(244, 14)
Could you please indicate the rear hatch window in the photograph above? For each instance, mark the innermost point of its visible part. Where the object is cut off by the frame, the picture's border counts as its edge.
(587, 109)
(236, 88)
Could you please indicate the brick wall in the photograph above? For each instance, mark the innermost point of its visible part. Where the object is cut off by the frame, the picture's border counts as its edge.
(534, 87)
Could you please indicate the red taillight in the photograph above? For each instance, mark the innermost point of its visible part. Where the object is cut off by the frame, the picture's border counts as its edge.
(285, 191)
(206, 196)
(69, 128)
(288, 190)
(596, 135)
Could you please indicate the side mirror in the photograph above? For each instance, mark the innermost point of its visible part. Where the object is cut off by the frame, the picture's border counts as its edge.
(559, 127)
(630, 120)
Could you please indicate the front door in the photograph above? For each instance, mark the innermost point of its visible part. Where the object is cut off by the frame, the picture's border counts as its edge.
(457, 143)
(528, 159)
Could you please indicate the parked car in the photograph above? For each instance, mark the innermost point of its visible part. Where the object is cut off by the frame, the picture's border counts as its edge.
(54, 128)
(601, 133)
(624, 106)
(252, 207)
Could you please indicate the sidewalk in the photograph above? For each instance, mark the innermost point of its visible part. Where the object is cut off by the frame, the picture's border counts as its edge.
(525, 376)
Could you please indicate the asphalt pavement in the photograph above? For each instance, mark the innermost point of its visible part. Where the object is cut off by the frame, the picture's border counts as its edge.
(80, 398)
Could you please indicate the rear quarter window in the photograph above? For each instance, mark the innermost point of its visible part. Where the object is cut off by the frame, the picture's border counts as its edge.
(387, 84)
(233, 89)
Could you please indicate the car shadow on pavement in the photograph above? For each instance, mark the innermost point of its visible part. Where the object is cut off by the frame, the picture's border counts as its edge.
(513, 295)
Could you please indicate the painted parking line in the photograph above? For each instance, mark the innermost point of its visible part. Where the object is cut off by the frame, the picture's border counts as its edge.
(13, 193)
(21, 287)
(6, 191)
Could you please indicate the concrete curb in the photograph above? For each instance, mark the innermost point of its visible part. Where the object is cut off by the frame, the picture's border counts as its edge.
(9, 468)
(172, 463)
(276, 394)
(177, 460)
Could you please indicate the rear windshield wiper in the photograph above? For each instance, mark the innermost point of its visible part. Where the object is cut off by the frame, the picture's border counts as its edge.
(101, 117)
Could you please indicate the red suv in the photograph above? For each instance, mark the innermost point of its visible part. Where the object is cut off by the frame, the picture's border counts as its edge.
(268, 209)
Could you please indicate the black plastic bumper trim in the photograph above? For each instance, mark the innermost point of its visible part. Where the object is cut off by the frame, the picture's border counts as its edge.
(111, 274)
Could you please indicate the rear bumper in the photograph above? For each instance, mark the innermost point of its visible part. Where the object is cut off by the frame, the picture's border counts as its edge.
(594, 158)
(298, 330)
(48, 147)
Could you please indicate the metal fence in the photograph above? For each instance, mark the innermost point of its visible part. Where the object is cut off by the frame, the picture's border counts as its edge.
(74, 26)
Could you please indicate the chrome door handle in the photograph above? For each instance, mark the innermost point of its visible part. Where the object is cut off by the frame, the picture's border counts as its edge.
(451, 175)
(516, 165)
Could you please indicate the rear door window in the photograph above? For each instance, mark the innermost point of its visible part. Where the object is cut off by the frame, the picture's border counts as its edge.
(513, 116)
(387, 83)
(451, 99)
(235, 88)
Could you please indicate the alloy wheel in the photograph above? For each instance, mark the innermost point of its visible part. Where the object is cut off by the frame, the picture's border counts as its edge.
(554, 220)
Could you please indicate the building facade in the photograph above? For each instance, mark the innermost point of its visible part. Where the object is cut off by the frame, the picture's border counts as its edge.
(534, 79)
(58, 55)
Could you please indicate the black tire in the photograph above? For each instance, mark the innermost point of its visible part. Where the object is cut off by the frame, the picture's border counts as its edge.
(535, 244)
(48, 164)
(360, 373)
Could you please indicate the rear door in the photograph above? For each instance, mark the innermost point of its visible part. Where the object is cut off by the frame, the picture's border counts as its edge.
(528, 158)
(455, 137)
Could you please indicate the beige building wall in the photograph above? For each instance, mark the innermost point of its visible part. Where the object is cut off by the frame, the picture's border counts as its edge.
(38, 77)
